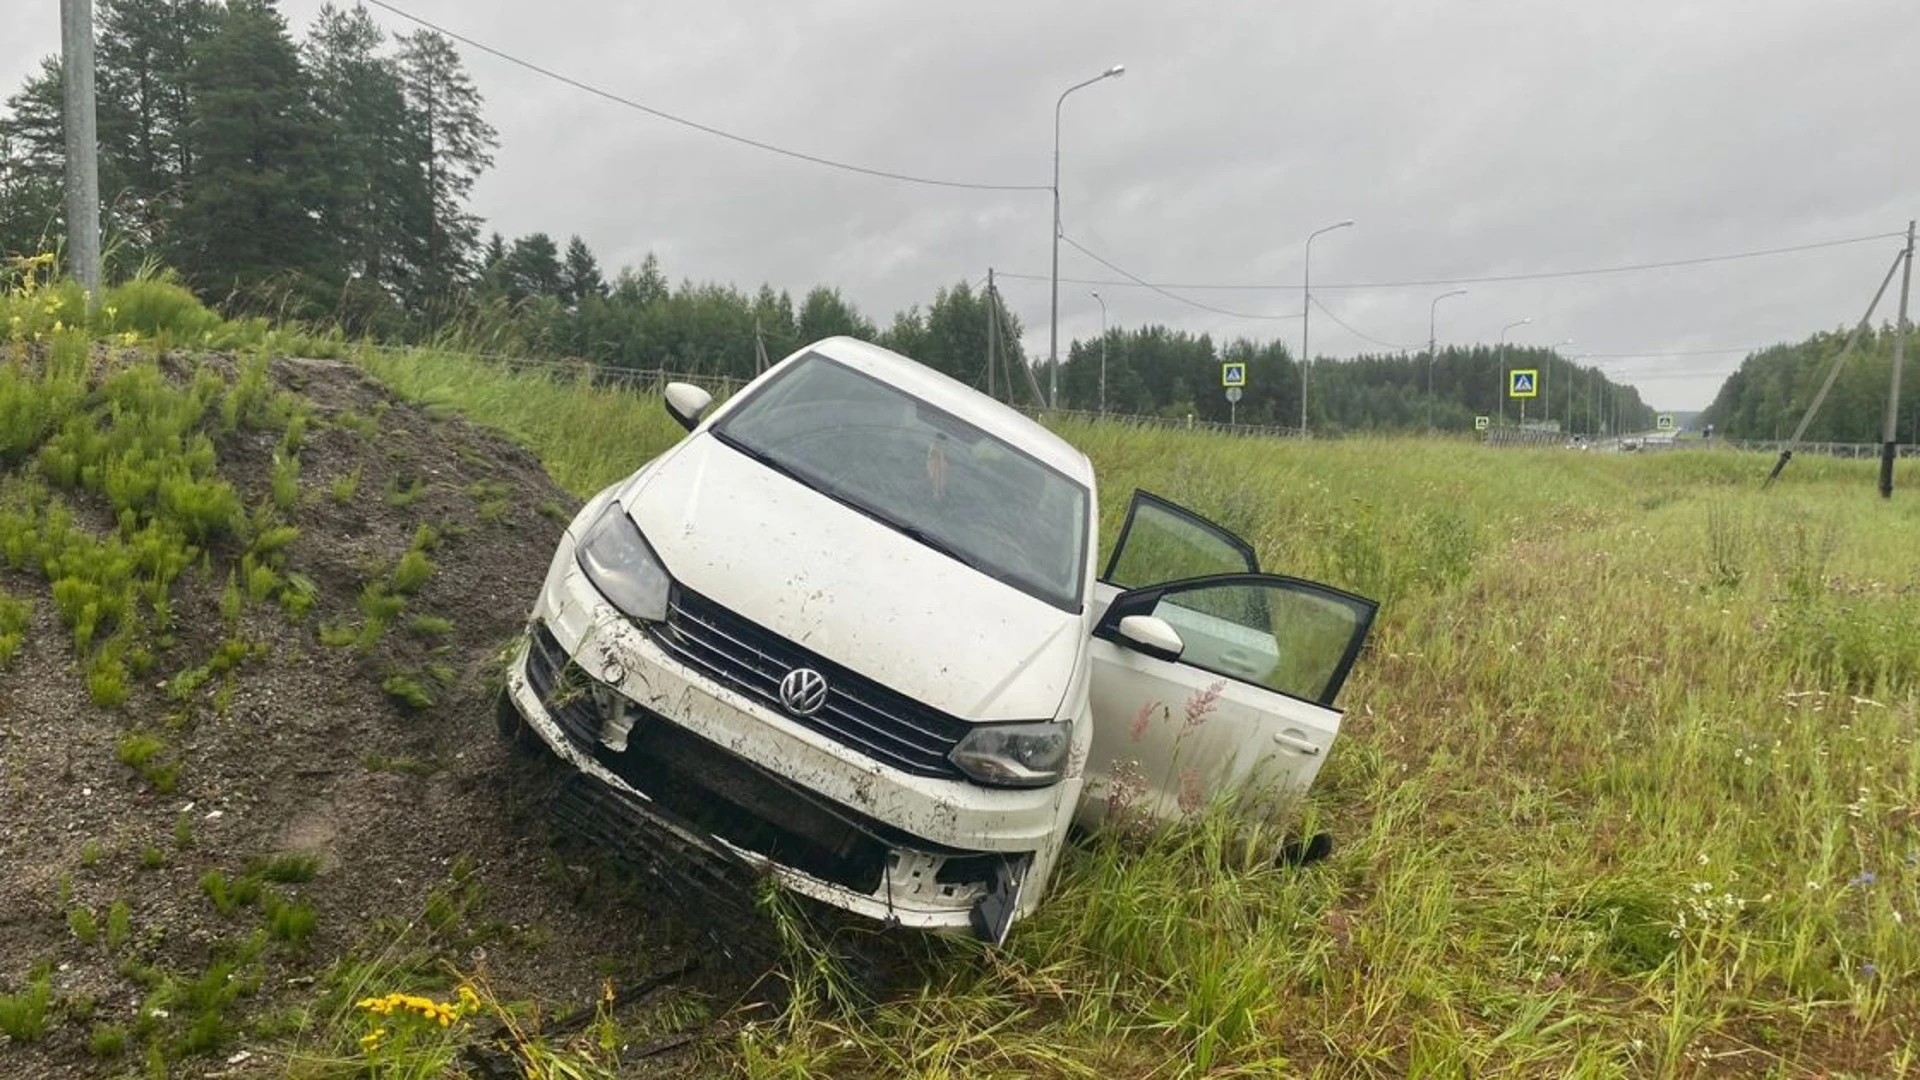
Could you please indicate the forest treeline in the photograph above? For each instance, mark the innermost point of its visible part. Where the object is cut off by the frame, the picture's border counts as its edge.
(1770, 393)
(326, 179)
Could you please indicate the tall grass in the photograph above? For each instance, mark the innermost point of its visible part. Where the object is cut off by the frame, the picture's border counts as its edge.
(587, 435)
(1628, 785)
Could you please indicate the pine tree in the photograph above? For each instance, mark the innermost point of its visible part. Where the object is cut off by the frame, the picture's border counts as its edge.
(253, 205)
(452, 145)
(32, 159)
(533, 267)
(146, 157)
(580, 274)
(361, 108)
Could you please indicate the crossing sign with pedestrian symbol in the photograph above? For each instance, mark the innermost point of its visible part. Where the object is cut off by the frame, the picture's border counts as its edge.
(1481, 423)
(1665, 422)
(1233, 373)
(1523, 383)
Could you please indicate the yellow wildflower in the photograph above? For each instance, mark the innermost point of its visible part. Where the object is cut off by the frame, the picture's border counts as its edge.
(372, 1039)
(129, 338)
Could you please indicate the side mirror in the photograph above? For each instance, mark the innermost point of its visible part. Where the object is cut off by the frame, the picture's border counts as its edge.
(686, 403)
(1150, 634)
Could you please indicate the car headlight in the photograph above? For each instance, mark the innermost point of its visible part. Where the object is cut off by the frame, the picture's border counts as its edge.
(616, 558)
(1015, 755)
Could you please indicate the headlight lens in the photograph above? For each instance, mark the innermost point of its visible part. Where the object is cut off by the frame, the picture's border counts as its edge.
(1015, 755)
(616, 558)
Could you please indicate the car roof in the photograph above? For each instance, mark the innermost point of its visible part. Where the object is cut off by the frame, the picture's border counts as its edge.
(955, 397)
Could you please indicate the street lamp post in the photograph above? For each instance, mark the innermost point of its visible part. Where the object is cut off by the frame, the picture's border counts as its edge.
(1103, 351)
(1053, 329)
(1546, 383)
(1571, 361)
(1306, 298)
(1502, 364)
(1431, 341)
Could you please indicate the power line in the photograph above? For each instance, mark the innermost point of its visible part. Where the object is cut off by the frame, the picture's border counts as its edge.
(1482, 280)
(1077, 246)
(696, 125)
(1349, 328)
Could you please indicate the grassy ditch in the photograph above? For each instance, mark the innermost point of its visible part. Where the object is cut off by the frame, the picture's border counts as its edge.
(1627, 787)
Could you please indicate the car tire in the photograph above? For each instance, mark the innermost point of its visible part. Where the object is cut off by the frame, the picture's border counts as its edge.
(514, 729)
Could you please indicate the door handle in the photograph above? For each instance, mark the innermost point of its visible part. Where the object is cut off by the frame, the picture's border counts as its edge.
(1293, 740)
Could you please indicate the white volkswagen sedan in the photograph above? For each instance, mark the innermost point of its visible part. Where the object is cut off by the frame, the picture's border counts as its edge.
(850, 631)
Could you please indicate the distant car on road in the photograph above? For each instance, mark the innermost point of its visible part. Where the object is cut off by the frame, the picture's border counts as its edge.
(851, 630)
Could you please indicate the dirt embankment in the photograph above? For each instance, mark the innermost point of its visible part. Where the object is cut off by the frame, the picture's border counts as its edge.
(155, 856)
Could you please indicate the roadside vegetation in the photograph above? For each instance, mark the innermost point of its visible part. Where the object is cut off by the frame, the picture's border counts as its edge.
(1628, 784)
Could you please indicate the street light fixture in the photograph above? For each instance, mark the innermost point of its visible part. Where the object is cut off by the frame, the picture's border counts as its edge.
(1103, 350)
(1053, 330)
(1306, 299)
(1503, 365)
(1431, 341)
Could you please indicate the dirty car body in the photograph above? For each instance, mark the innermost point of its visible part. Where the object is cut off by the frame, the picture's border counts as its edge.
(850, 631)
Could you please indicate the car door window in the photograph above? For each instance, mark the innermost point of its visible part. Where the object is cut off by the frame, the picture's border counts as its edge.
(1161, 542)
(1293, 637)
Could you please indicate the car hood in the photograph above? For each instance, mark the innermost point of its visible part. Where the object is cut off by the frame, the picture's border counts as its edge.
(837, 582)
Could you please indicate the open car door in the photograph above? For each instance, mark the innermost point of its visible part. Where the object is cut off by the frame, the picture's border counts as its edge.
(1209, 677)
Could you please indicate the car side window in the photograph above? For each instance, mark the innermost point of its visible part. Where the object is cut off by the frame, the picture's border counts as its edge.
(1292, 637)
(1161, 542)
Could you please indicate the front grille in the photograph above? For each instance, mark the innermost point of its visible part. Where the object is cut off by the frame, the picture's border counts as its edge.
(702, 787)
(883, 724)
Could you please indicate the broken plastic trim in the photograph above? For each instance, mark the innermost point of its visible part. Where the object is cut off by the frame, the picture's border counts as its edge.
(992, 915)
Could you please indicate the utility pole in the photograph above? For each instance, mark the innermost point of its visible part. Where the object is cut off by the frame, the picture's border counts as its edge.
(991, 335)
(83, 163)
(760, 363)
(1833, 373)
(1890, 432)
(1103, 352)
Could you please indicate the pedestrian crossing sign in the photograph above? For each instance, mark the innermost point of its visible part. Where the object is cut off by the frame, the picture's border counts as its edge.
(1664, 422)
(1233, 373)
(1481, 423)
(1523, 383)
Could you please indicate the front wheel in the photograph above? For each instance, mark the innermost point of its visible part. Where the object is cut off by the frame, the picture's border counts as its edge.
(514, 729)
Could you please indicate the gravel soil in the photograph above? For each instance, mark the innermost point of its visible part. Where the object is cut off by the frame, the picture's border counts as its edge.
(424, 827)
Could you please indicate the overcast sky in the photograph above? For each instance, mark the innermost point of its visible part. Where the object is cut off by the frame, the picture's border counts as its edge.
(1466, 138)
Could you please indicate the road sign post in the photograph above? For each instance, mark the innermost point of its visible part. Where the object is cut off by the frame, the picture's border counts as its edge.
(1233, 376)
(1523, 383)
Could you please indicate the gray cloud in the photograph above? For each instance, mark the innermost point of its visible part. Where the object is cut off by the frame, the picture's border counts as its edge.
(1466, 139)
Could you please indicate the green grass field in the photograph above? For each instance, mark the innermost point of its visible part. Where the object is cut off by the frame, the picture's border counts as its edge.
(1627, 785)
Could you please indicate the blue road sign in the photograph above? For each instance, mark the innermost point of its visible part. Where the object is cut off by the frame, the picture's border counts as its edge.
(1523, 382)
(1233, 373)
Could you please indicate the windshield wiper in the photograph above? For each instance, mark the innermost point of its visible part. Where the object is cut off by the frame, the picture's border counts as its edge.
(763, 458)
(1007, 577)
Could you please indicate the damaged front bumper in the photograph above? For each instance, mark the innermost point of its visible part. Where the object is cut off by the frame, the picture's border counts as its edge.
(657, 786)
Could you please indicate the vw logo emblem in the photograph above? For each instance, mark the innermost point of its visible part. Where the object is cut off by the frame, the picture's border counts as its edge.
(803, 691)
